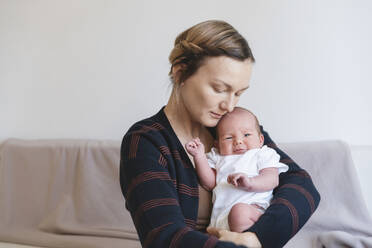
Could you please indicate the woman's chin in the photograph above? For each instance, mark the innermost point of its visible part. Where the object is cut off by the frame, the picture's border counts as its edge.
(210, 123)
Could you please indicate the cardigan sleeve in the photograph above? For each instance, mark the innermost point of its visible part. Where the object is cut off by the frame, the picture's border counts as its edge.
(152, 198)
(294, 201)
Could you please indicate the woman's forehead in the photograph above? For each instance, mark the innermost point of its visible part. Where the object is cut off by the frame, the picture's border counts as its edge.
(228, 71)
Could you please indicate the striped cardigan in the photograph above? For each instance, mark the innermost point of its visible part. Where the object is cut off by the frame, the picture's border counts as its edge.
(160, 186)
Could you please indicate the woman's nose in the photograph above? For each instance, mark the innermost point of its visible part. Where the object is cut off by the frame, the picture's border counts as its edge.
(228, 105)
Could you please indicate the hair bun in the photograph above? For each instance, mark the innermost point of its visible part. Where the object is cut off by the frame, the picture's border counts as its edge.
(190, 47)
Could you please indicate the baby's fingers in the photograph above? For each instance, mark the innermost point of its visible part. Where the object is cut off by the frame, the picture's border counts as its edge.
(232, 179)
(197, 141)
(190, 145)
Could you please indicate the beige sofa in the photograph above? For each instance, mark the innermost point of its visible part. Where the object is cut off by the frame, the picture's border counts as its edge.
(66, 193)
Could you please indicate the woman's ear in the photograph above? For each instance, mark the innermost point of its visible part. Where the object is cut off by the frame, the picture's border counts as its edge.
(216, 144)
(177, 72)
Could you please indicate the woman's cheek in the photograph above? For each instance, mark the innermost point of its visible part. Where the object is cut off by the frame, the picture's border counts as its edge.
(236, 100)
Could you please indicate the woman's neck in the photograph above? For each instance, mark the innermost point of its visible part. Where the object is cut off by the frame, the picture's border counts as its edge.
(181, 120)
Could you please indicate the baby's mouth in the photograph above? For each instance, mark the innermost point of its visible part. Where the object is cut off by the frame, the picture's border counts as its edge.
(240, 150)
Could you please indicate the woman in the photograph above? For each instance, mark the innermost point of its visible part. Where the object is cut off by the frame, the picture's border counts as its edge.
(211, 67)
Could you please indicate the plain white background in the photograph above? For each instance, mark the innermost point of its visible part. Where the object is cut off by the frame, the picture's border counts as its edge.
(90, 68)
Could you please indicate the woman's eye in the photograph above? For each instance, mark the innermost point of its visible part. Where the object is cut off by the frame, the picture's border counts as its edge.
(246, 135)
(239, 93)
(228, 138)
(218, 90)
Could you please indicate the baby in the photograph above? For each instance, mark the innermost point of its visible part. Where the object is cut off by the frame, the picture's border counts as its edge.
(241, 172)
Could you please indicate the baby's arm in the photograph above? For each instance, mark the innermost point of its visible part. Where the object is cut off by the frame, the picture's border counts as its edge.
(267, 179)
(206, 174)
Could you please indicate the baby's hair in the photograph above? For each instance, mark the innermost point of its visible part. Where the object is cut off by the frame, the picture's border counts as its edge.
(240, 109)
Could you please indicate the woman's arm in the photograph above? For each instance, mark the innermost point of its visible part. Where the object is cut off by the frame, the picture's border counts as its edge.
(153, 200)
(294, 201)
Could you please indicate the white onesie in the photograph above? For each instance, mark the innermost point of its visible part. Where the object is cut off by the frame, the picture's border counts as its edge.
(225, 195)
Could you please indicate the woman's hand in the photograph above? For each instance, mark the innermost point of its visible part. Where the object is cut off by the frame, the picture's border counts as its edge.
(248, 239)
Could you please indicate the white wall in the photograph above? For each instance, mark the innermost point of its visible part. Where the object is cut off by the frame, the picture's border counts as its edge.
(89, 68)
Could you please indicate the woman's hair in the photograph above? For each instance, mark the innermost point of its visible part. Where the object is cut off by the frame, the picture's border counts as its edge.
(207, 39)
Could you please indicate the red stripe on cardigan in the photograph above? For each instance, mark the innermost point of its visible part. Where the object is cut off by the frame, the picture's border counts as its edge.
(153, 204)
(157, 125)
(145, 129)
(178, 236)
(164, 150)
(184, 189)
(133, 146)
(152, 234)
(303, 191)
(292, 210)
(146, 176)
(191, 223)
(162, 161)
(136, 136)
(211, 242)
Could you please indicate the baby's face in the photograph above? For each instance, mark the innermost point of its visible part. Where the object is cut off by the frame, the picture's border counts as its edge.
(237, 134)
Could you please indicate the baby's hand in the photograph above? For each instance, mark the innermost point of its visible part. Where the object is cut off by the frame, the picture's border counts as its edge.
(195, 147)
(240, 180)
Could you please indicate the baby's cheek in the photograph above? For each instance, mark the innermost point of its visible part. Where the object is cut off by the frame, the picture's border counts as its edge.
(225, 149)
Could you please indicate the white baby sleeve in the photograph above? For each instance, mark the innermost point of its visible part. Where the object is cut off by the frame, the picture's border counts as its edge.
(213, 157)
(268, 157)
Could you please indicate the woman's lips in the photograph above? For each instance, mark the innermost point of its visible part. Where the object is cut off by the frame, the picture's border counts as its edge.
(215, 115)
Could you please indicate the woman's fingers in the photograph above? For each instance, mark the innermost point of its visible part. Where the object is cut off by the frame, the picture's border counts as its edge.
(223, 235)
(248, 239)
(214, 231)
(220, 233)
(227, 236)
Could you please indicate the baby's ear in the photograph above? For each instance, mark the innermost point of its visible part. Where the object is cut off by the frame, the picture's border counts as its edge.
(215, 144)
(262, 139)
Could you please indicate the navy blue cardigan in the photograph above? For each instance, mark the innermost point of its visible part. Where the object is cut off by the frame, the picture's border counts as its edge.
(160, 186)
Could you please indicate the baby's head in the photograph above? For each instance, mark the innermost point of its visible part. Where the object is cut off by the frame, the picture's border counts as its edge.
(237, 132)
